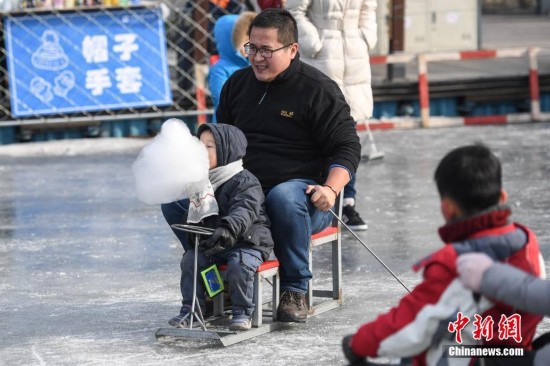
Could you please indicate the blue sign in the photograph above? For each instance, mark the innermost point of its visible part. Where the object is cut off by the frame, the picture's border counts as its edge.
(87, 61)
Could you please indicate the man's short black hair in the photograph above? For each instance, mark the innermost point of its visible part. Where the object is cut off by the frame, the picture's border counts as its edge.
(280, 19)
(471, 176)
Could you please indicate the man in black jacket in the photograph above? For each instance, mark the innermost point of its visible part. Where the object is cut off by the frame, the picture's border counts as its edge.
(301, 137)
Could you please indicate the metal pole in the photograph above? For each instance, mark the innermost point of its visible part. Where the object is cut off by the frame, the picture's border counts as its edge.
(371, 252)
(534, 90)
(194, 281)
(192, 314)
(423, 90)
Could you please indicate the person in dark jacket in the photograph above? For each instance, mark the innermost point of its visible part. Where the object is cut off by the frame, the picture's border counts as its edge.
(301, 141)
(241, 238)
(503, 282)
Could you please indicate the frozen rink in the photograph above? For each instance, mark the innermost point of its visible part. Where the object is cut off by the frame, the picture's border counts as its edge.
(88, 273)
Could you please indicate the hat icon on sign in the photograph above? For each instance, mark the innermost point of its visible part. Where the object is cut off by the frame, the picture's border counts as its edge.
(50, 54)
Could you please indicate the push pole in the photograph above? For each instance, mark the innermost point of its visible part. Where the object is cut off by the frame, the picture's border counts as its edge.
(370, 251)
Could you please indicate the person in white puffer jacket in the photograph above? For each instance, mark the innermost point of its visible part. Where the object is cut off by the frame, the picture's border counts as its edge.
(335, 37)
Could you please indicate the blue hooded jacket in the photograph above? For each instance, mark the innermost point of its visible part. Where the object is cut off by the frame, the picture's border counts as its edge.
(230, 58)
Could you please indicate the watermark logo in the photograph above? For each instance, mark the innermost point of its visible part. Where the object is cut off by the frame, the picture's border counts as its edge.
(508, 327)
(464, 351)
(457, 326)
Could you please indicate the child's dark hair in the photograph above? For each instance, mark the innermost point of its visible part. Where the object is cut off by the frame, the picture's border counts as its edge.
(279, 19)
(471, 176)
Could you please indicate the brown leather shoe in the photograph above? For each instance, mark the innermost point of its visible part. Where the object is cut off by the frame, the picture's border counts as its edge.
(292, 307)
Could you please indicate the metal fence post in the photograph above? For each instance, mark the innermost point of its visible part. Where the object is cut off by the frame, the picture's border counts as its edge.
(534, 83)
(423, 92)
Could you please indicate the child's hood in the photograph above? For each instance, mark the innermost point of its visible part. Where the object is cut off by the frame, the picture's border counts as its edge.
(230, 142)
(223, 34)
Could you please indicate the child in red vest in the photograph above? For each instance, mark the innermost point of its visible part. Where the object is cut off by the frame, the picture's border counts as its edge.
(440, 312)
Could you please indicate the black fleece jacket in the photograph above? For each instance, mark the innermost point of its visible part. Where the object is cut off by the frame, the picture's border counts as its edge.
(296, 126)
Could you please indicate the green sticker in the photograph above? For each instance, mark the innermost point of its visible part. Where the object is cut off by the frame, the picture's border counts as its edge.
(212, 280)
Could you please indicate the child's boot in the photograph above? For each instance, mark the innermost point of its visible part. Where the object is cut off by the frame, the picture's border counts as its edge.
(182, 319)
(240, 320)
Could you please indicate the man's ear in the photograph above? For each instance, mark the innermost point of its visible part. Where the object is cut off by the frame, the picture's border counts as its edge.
(294, 50)
(503, 196)
(450, 209)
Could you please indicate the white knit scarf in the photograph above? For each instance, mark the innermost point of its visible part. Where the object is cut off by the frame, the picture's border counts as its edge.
(202, 202)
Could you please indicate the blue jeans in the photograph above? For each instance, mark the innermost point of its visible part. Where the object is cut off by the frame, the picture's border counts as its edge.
(241, 267)
(349, 189)
(176, 213)
(293, 220)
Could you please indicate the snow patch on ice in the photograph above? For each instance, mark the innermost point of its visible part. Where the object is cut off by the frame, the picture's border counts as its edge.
(73, 147)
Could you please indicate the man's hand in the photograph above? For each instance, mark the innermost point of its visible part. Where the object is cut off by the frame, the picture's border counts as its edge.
(350, 356)
(221, 240)
(471, 268)
(323, 197)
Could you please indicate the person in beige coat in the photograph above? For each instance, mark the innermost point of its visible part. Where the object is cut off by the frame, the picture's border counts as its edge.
(335, 37)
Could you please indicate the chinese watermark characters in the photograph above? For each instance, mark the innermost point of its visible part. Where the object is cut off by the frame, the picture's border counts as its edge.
(508, 327)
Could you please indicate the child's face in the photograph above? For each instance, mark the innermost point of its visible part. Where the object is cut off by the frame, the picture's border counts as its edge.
(207, 138)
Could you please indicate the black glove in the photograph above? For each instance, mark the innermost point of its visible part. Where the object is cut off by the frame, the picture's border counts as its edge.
(221, 240)
(350, 356)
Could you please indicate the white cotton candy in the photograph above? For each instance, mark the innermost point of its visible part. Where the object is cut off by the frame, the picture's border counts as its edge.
(169, 163)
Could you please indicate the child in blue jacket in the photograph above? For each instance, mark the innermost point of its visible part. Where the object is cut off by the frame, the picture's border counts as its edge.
(230, 33)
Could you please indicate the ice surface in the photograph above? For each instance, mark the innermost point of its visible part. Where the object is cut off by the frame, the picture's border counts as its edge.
(88, 273)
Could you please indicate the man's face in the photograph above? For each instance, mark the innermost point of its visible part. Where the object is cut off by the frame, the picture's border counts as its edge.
(267, 69)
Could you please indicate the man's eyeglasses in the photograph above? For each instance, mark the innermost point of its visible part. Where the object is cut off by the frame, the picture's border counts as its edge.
(251, 50)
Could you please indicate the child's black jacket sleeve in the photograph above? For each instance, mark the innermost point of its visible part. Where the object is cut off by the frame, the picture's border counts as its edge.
(242, 210)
